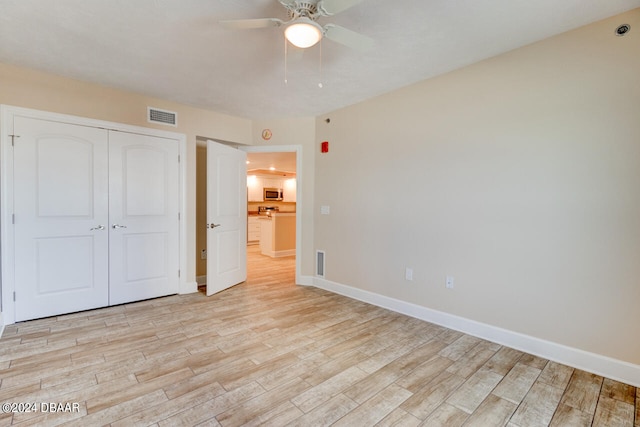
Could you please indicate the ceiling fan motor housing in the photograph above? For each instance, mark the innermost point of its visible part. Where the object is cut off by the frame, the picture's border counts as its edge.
(304, 9)
(302, 28)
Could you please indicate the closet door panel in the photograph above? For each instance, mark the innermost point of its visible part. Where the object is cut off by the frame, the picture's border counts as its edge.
(61, 200)
(143, 211)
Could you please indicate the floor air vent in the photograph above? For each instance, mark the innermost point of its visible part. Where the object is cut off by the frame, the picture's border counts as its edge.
(155, 115)
(320, 263)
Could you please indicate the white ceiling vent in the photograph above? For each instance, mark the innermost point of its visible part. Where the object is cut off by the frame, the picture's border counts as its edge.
(155, 115)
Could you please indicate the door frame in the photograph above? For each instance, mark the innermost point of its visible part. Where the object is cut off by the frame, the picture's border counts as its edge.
(7, 237)
(299, 197)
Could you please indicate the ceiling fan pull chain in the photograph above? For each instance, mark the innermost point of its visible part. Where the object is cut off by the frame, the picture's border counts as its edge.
(320, 84)
(285, 60)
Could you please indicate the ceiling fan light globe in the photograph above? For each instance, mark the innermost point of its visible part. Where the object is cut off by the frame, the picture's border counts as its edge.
(303, 33)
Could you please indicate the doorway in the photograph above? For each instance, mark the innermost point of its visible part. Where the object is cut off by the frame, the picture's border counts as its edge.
(271, 215)
(295, 152)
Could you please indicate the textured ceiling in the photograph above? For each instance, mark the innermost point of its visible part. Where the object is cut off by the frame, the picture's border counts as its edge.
(176, 50)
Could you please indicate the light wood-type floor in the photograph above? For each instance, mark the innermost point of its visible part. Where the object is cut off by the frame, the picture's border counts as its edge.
(269, 352)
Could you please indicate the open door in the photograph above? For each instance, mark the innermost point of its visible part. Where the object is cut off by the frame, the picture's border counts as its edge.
(226, 217)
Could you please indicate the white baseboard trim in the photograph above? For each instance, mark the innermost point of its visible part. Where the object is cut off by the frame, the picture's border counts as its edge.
(288, 252)
(608, 367)
(201, 280)
(306, 281)
(189, 288)
(278, 254)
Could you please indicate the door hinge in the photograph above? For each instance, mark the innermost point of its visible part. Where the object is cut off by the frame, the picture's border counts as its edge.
(178, 216)
(13, 219)
(178, 273)
(178, 158)
(13, 139)
(14, 296)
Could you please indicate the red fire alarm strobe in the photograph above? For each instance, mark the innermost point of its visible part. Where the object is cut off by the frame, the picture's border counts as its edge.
(324, 147)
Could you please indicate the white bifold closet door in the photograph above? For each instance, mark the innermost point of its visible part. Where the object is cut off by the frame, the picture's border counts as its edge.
(143, 217)
(72, 185)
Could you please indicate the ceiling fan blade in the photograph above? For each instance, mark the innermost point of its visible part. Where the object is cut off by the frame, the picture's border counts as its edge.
(247, 24)
(348, 38)
(287, 3)
(331, 7)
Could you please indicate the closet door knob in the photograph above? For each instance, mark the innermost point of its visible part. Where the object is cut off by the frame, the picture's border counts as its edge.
(118, 226)
(100, 227)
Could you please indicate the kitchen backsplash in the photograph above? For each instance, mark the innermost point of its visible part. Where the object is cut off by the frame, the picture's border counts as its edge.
(283, 206)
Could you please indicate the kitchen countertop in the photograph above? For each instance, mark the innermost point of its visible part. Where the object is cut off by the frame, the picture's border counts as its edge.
(276, 215)
(273, 213)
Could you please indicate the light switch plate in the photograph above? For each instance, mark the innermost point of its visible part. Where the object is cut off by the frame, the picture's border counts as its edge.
(408, 273)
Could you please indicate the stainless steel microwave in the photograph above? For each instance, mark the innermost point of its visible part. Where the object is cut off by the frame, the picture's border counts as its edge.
(272, 194)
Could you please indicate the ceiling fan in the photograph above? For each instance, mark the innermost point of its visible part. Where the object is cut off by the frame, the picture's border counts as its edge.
(302, 30)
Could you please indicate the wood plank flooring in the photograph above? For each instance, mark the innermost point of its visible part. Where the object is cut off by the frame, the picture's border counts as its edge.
(267, 352)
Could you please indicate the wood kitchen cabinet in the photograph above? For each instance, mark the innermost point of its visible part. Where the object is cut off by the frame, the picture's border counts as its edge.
(253, 230)
(289, 190)
(266, 236)
(256, 184)
(278, 235)
(271, 183)
(254, 188)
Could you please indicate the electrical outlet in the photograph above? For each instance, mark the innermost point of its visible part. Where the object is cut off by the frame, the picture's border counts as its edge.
(408, 273)
(449, 282)
(203, 254)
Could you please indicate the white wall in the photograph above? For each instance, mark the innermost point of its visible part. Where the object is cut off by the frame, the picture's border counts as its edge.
(519, 176)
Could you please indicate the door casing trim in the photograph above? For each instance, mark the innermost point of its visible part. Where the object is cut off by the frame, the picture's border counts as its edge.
(299, 196)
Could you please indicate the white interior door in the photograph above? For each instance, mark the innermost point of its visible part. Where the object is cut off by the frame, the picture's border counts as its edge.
(61, 224)
(226, 217)
(143, 217)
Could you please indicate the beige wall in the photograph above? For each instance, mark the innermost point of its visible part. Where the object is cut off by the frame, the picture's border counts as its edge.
(519, 176)
(32, 89)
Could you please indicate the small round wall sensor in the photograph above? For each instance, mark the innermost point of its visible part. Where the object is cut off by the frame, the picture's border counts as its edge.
(328, 120)
(623, 29)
